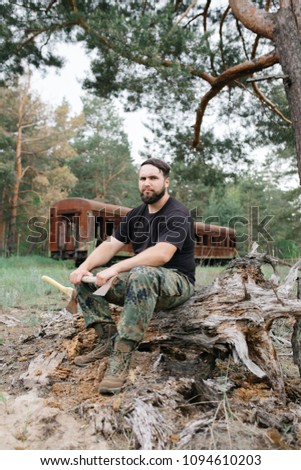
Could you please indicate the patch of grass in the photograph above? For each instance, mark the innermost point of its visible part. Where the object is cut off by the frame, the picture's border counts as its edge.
(21, 284)
(282, 271)
(205, 275)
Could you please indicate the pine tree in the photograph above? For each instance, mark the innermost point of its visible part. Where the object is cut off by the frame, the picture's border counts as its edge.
(103, 165)
(169, 54)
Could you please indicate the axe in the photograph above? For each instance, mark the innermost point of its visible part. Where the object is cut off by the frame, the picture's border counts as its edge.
(71, 293)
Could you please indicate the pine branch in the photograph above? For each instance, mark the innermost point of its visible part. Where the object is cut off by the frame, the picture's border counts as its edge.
(222, 21)
(191, 6)
(269, 103)
(226, 78)
(267, 77)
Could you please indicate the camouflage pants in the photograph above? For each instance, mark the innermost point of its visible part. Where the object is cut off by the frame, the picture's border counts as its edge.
(141, 291)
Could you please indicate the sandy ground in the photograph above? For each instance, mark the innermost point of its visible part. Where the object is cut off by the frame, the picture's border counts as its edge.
(41, 397)
(46, 402)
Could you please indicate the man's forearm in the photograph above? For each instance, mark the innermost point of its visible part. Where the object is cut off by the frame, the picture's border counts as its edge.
(154, 256)
(100, 256)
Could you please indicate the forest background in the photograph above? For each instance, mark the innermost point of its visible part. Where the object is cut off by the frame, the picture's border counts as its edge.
(152, 56)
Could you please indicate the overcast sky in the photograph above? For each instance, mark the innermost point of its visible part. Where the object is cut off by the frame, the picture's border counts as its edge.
(66, 83)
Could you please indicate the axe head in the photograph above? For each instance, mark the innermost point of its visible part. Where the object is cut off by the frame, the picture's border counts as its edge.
(72, 304)
(104, 289)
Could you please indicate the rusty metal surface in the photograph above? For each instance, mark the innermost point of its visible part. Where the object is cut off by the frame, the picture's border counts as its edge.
(75, 221)
(77, 204)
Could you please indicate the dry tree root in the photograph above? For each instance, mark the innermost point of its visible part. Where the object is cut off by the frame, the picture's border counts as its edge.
(232, 316)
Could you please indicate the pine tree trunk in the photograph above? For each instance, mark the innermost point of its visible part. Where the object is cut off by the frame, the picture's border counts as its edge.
(288, 45)
(13, 235)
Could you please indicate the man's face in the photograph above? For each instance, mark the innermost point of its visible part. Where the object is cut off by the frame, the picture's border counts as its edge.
(152, 184)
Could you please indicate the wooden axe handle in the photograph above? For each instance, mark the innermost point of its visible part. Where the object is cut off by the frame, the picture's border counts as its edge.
(66, 290)
(89, 278)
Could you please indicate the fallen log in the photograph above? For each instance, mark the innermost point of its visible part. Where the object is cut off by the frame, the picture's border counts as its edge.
(233, 316)
(182, 387)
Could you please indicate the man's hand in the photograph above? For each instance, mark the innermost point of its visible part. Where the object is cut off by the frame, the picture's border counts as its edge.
(77, 275)
(103, 276)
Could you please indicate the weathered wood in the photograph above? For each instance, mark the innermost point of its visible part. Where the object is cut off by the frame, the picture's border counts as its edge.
(41, 368)
(232, 316)
(148, 425)
(178, 391)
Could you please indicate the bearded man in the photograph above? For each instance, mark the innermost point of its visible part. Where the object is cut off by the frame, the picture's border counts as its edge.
(159, 276)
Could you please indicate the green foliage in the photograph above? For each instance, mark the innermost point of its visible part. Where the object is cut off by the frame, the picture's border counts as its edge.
(260, 212)
(19, 22)
(161, 56)
(35, 176)
(196, 172)
(103, 165)
(157, 55)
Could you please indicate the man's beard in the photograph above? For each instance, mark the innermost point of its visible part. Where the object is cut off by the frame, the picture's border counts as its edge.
(154, 197)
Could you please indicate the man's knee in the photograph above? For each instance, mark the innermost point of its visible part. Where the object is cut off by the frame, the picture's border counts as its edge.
(141, 269)
(143, 281)
(144, 274)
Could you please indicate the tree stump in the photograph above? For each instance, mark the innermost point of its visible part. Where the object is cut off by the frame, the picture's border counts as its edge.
(178, 393)
(233, 316)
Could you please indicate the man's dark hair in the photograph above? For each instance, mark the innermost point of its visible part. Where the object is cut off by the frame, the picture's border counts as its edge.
(162, 166)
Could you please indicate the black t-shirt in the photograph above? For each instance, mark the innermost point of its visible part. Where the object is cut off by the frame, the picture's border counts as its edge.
(172, 224)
